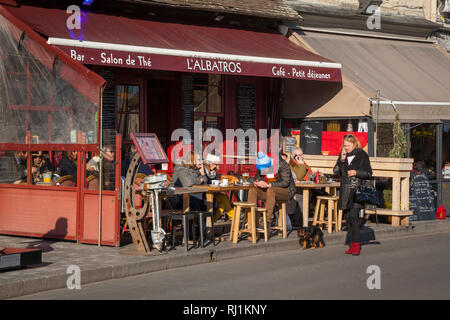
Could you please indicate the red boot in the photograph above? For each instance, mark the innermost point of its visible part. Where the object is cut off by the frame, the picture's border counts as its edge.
(352, 247)
(356, 249)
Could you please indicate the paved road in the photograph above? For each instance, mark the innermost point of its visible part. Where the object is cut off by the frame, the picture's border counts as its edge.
(416, 267)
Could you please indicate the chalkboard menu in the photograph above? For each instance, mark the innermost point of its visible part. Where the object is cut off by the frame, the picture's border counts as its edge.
(421, 197)
(187, 103)
(246, 113)
(311, 137)
(108, 108)
(246, 106)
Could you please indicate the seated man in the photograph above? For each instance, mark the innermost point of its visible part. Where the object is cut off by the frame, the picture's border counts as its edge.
(145, 169)
(282, 189)
(300, 170)
(13, 167)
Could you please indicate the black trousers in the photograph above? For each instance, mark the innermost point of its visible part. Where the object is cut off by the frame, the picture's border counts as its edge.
(352, 217)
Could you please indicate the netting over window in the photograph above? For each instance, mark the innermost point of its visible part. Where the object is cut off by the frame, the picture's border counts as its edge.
(41, 94)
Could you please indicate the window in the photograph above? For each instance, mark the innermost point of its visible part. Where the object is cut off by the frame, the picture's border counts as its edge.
(128, 109)
(208, 100)
(423, 148)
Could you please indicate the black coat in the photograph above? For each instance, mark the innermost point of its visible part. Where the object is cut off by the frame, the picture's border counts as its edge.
(361, 164)
(67, 167)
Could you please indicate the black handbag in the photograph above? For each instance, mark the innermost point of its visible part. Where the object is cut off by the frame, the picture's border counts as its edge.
(367, 194)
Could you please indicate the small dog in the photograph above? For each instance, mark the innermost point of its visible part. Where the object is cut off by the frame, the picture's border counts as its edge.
(311, 237)
(304, 238)
(317, 237)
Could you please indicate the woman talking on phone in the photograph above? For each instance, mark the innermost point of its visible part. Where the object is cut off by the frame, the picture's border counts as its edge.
(353, 166)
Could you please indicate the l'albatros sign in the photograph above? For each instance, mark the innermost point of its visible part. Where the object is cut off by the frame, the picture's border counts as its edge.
(201, 65)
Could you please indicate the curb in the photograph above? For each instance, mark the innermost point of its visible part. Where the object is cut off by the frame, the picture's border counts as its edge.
(97, 273)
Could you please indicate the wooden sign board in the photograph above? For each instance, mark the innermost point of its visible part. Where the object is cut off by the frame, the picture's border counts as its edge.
(311, 137)
(421, 197)
(289, 143)
(149, 148)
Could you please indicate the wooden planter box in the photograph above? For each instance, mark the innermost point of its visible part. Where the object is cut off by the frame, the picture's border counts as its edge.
(396, 168)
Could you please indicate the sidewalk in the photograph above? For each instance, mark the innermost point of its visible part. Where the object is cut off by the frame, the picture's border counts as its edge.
(105, 263)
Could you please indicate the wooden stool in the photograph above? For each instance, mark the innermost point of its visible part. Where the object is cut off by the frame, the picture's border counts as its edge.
(266, 229)
(281, 219)
(332, 213)
(249, 211)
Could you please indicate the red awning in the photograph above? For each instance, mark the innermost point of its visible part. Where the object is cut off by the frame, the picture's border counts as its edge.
(132, 43)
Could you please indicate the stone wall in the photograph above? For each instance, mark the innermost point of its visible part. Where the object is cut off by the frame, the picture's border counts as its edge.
(404, 7)
(415, 8)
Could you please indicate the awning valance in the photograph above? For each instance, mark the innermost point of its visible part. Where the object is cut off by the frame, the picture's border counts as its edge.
(134, 43)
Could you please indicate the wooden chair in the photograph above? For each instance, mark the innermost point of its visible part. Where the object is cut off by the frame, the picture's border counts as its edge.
(249, 215)
(332, 211)
(281, 227)
(92, 182)
(66, 181)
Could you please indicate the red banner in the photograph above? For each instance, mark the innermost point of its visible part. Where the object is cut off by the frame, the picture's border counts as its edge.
(332, 141)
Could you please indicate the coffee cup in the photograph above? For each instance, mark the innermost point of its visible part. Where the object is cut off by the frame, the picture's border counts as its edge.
(224, 182)
(215, 182)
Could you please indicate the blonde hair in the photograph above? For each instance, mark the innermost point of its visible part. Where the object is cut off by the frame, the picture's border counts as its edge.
(189, 160)
(352, 139)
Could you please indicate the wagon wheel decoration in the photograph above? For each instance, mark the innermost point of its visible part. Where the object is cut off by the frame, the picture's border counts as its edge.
(135, 214)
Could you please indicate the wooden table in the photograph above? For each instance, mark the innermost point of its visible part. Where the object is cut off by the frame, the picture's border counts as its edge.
(211, 190)
(185, 192)
(330, 187)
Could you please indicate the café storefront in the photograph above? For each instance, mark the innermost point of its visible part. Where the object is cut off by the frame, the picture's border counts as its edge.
(159, 76)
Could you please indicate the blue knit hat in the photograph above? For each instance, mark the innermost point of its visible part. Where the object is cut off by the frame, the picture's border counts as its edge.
(263, 161)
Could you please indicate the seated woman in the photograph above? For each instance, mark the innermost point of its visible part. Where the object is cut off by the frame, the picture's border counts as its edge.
(188, 173)
(220, 199)
(41, 164)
